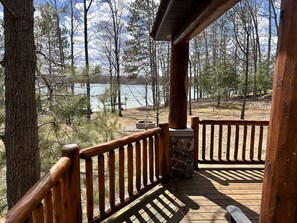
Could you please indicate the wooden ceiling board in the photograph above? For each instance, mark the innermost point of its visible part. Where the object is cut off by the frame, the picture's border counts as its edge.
(181, 20)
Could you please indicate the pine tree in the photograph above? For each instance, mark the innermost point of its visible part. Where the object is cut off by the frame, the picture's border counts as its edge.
(21, 137)
(141, 50)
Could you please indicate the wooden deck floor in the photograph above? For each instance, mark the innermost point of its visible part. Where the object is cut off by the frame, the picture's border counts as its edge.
(202, 198)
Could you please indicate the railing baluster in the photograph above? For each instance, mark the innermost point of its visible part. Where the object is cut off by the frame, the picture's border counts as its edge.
(151, 159)
(232, 143)
(48, 208)
(252, 143)
(111, 166)
(228, 142)
(244, 142)
(164, 145)
(65, 202)
(138, 165)
(157, 156)
(203, 141)
(130, 169)
(121, 173)
(147, 161)
(101, 183)
(89, 188)
(195, 127)
(38, 214)
(211, 141)
(260, 143)
(57, 204)
(144, 161)
(236, 143)
(220, 142)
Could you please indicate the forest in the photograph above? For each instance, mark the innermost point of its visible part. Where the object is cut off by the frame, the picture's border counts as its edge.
(88, 41)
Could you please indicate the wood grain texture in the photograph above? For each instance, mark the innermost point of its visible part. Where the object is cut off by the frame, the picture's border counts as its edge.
(101, 183)
(114, 144)
(111, 169)
(37, 193)
(279, 186)
(202, 198)
(121, 173)
(178, 86)
(89, 189)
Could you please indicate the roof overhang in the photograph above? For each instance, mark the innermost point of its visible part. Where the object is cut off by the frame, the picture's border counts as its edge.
(181, 20)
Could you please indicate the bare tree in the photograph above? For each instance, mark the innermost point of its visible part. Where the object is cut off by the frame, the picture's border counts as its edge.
(86, 47)
(116, 12)
(72, 31)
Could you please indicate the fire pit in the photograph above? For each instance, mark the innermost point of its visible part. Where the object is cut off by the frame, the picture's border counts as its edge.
(145, 124)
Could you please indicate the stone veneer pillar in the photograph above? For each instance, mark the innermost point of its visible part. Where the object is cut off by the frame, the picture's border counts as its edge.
(181, 142)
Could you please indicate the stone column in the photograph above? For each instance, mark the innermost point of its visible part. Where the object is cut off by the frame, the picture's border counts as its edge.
(181, 142)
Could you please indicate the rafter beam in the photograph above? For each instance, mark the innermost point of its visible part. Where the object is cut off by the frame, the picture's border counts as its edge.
(207, 13)
(162, 15)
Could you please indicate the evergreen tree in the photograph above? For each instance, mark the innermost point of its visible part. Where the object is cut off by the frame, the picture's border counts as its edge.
(219, 80)
(51, 47)
(141, 50)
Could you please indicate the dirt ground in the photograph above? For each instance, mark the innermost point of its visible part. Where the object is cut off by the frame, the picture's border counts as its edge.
(204, 110)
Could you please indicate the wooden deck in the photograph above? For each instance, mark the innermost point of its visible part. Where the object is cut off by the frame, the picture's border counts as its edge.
(202, 198)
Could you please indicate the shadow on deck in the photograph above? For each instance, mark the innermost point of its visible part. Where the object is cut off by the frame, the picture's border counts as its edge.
(202, 198)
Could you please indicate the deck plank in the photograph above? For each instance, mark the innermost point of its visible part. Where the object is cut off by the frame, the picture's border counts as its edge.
(202, 198)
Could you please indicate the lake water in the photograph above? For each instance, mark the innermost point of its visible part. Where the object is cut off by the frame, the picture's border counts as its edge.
(135, 95)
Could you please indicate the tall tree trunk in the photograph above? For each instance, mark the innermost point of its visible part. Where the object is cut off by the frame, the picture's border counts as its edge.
(246, 75)
(59, 35)
(275, 16)
(190, 85)
(87, 66)
(269, 35)
(72, 43)
(166, 101)
(49, 84)
(111, 81)
(21, 136)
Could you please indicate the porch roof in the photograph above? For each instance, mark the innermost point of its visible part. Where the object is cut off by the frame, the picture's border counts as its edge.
(181, 20)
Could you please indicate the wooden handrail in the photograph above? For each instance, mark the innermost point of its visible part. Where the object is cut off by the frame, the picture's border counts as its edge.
(111, 145)
(31, 200)
(233, 122)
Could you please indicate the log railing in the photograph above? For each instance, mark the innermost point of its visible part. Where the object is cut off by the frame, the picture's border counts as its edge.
(229, 141)
(53, 198)
(119, 171)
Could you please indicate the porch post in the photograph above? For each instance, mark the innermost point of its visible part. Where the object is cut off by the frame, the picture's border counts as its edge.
(279, 196)
(178, 86)
(181, 138)
(75, 210)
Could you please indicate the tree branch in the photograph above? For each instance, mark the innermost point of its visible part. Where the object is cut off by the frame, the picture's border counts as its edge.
(45, 56)
(10, 11)
(89, 5)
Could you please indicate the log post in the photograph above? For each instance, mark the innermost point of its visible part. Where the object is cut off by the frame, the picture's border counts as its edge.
(178, 86)
(75, 210)
(195, 127)
(279, 196)
(166, 170)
